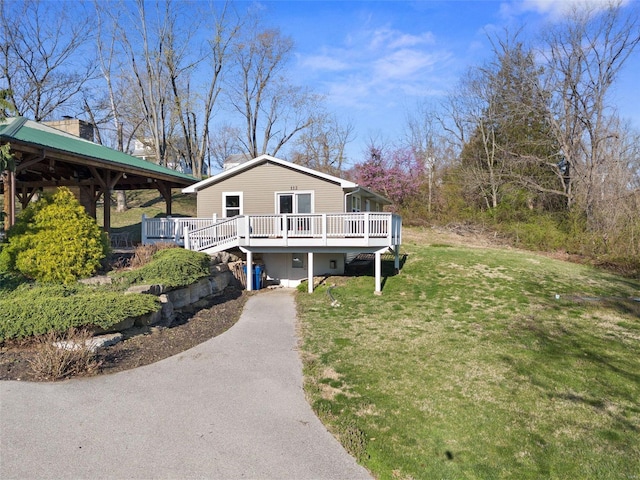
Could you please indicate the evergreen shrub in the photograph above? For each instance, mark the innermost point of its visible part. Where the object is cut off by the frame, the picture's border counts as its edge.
(54, 240)
(35, 310)
(173, 267)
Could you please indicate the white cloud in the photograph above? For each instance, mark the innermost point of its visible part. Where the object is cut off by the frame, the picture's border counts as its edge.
(373, 65)
(554, 9)
(326, 62)
(403, 64)
(390, 39)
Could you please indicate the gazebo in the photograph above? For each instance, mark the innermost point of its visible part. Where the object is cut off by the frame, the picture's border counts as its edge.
(46, 157)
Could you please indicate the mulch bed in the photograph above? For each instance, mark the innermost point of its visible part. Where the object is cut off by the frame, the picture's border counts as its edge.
(141, 346)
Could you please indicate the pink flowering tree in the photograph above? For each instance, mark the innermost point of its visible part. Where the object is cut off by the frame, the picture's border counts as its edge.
(397, 174)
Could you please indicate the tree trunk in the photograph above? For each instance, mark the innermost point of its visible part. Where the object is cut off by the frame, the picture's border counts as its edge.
(121, 201)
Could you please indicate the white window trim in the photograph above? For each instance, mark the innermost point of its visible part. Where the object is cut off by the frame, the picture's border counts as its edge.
(295, 203)
(224, 202)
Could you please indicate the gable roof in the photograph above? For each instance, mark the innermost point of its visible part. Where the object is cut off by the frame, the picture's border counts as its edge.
(262, 159)
(19, 130)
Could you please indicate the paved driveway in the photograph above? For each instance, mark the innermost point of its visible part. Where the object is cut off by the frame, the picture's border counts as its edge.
(233, 407)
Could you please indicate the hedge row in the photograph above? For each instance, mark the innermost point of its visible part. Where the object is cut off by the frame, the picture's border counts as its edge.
(37, 310)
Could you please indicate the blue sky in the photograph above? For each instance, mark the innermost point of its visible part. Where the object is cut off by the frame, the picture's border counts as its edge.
(375, 60)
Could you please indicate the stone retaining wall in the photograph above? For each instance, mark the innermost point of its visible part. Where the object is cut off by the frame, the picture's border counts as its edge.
(192, 296)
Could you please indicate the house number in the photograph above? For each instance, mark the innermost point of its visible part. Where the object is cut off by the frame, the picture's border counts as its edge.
(294, 188)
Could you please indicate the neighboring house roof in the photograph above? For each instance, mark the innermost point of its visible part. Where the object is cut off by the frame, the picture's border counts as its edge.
(345, 184)
(235, 159)
(20, 130)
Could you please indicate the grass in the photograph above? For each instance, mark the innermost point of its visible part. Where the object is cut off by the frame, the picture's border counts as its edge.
(469, 367)
(150, 203)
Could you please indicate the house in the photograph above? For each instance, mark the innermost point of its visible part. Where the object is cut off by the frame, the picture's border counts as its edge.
(298, 222)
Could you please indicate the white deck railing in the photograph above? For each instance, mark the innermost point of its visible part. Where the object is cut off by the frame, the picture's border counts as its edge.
(170, 229)
(294, 230)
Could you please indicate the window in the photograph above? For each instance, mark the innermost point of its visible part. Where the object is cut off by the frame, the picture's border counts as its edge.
(298, 202)
(285, 204)
(232, 204)
(304, 202)
(297, 260)
(356, 203)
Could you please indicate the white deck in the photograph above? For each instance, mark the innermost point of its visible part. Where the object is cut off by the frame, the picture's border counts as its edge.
(256, 232)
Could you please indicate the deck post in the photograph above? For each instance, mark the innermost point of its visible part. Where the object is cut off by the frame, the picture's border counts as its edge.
(12, 199)
(310, 272)
(366, 227)
(324, 229)
(396, 260)
(144, 229)
(378, 290)
(247, 227)
(185, 233)
(285, 229)
(249, 270)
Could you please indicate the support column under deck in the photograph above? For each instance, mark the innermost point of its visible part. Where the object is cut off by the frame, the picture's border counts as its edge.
(378, 290)
(310, 272)
(396, 260)
(249, 271)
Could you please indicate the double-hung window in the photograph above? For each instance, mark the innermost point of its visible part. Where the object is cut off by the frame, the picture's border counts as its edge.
(232, 204)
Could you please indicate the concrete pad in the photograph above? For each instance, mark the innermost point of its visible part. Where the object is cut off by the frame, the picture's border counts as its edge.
(232, 407)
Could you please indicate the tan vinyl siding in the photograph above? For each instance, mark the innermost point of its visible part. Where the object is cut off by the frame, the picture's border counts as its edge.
(259, 185)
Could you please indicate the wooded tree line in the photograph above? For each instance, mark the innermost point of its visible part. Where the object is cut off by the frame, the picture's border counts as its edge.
(531, 142)
(168, 75)
(530, 137)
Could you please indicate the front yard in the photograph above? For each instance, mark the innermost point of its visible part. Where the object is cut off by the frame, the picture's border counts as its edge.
(479, 363)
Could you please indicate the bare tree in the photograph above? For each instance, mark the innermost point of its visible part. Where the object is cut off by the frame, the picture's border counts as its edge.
(143, 47)
(44, 63)
(167, 59)
(193, 109)
(425, 136)
(584, 56)
(477, 104)
(224, 143)
(265, 99)
(322, 145)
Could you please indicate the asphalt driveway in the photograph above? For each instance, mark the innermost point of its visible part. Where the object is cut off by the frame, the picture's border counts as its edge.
(233, 407)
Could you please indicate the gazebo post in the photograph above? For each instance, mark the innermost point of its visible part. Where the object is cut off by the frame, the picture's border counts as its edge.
(166, 194)
(12, 198)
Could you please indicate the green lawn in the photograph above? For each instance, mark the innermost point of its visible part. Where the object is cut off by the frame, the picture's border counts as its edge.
(151, 203)
(469, 367)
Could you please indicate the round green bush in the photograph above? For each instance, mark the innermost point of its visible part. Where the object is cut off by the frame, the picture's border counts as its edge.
(55, 240)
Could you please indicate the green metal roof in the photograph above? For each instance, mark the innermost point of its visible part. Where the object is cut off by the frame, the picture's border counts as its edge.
(28, 131)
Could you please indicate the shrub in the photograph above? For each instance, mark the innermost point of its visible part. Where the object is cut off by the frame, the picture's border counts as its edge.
(36, 310)
(54, 240)
(173, 267)
(10, 281)
(541, 233)
(64, 355)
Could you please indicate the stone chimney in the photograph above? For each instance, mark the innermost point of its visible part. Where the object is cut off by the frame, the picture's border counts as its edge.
(74, 126)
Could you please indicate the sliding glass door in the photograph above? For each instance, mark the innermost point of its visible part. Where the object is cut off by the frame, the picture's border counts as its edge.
(299, 203)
